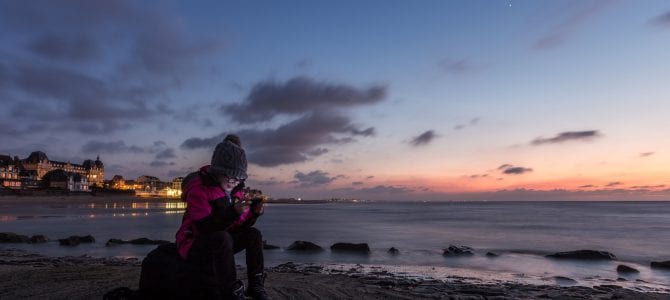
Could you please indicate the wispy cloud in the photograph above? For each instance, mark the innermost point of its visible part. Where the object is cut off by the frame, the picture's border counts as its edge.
(458, 66)
(662, 20)
(567, 21)
(614, 183)
(423, 139)
(646, 154)
(513, 170)
(567, 136)
(471, 123)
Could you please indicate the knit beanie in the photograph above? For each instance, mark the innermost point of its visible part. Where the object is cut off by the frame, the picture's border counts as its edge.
(229, 158)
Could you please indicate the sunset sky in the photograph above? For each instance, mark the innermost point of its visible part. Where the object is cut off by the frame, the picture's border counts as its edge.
(396, 100)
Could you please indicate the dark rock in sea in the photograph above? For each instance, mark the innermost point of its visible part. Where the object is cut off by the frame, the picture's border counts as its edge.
(584, 255)
(491, 254)
(146, 241)
(626, 269)
(38, 239)
(114, 242)
(140, 241)
(267, 246)
(393, 251)
(304, 246)
(564, 280)
(661, 264)
(349, 247)
(458, 251)
(76, 240)
(10, 237)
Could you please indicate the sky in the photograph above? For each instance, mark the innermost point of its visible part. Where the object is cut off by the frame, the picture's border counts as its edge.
(382, 100)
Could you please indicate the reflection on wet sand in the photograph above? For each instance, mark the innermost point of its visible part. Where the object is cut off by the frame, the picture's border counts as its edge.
(93, 210)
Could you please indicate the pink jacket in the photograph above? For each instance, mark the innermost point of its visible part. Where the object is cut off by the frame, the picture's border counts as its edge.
(198, 196)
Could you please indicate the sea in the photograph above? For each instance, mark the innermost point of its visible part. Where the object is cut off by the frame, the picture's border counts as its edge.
(520, 233)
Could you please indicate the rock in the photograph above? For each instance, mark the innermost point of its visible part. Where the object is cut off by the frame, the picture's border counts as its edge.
(76, 240)
(458, 251)
(114, 242)
(38, 239)
(267, 246)
(393, 251)
(661, 264)
(140, 241)
(304, 246)
(349, 247)
(491, 254)
(10, 237)
(626, 269)
(564, 280)
(146, 241)
(584, 255)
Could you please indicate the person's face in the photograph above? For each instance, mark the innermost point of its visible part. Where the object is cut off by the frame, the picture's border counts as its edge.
(228, 183)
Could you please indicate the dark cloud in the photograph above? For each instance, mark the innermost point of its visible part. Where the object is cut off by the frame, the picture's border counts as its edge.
(646, 154)
(569, 20)
(423, 139)
(294, 142)
(166, 154)
(567, 136)
(662, 20)
(513, 170)
(314, 178)
(109, 147)
(67, 48)
(586, 186)
(357, 183)
(299, 95)
(475, 176)
(80, 87)
(648, 187)
(614, 183)
(160, 163)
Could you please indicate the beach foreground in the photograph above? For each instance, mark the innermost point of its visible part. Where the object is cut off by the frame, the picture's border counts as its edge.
(26, 275)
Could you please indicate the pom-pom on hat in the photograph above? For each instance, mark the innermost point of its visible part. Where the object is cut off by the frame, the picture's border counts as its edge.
(229, 158)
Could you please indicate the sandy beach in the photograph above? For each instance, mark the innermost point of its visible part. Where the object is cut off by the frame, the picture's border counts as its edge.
(25, 275)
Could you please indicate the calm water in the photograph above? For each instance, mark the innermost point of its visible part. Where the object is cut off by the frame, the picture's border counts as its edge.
(522, 232)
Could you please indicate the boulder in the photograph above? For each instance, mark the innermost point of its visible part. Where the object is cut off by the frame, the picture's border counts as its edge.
(76, 240)
(458, 251)
(349, 247)
(304, 246)
(626, 269)
(393, 251)
(584, 255)
(267, 246)
(491, 254)
(10, 237)
(38, 239)
(661, 264)
(140, 241)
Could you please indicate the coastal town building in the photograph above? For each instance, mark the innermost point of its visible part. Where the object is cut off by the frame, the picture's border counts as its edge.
(37, 161)
(10, 172)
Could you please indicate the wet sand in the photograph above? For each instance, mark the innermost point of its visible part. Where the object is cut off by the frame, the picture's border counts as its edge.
(25, 275)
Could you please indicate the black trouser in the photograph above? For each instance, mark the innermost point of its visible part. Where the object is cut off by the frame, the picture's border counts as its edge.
(212, 256)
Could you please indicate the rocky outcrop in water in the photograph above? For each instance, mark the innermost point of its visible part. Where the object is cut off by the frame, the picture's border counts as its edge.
(140, 241)
(393, 251)
(304, 246)
(458, 251)
(10, 237)
(584, 255)
(626, 269)
(661, 264)
(267, 246)
(76, 240)
(362, 248)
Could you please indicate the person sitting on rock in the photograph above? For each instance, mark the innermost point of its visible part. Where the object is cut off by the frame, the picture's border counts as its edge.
(218, 223)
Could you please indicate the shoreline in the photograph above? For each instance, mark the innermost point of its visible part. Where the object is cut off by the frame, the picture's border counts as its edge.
(28, 275)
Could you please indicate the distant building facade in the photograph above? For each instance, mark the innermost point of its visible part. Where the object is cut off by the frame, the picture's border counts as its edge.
(94, 171)
(10, 172)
